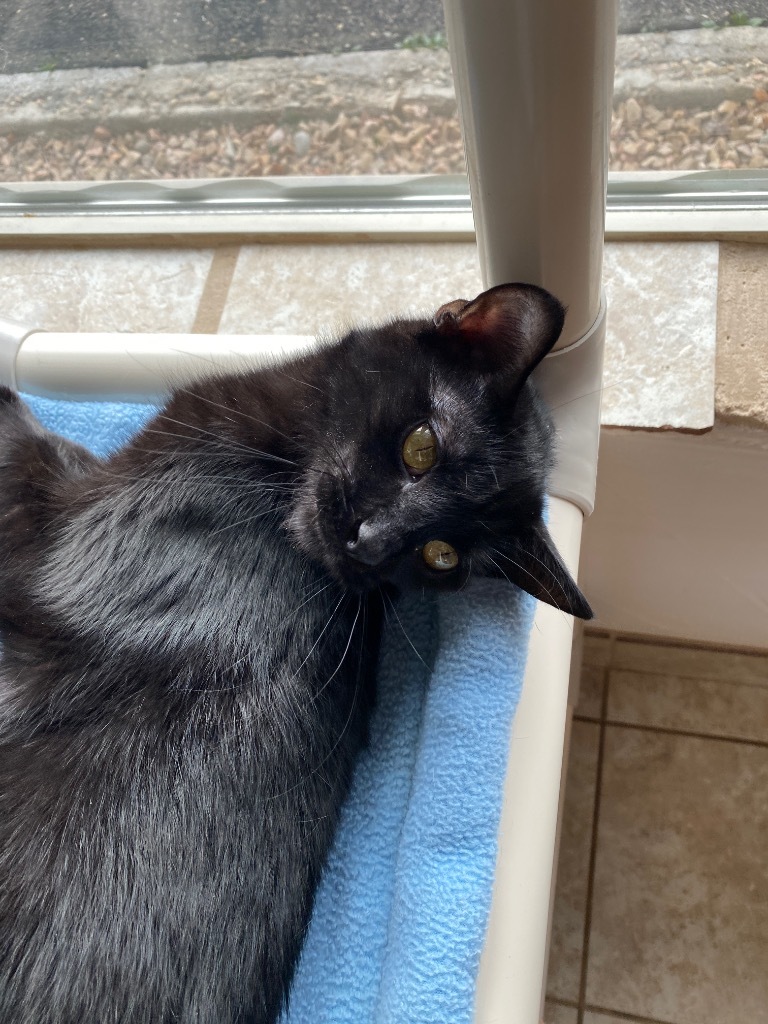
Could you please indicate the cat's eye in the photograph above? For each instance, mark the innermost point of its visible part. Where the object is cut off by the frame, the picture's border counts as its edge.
(420, 449)
(438, 554)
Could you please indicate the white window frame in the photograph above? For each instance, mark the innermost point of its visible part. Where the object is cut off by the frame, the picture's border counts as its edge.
(655, 204)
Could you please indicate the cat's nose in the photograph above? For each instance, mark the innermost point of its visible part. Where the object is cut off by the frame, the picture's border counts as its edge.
(366, 544)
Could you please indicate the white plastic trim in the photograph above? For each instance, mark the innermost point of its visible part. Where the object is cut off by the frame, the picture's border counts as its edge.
(667, 203)
(513, 966)
(570, 381)
(533, 83)
(12, 334)
(139, 367)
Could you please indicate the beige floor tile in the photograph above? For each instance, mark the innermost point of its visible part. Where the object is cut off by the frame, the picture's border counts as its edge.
(304, 289)
(573, 865)
(690, 661)
(597, 650)
(591, 684)
(694, 705)
(680, 908)
(660, 342)
(556, 1013)
(152, 290)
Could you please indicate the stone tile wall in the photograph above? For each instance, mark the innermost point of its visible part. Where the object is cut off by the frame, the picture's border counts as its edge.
(666, 318)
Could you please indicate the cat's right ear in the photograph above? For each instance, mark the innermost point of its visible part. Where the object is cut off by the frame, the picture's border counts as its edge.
(507, 329)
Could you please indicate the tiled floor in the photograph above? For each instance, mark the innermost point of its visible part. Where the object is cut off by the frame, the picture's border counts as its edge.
(661, 913)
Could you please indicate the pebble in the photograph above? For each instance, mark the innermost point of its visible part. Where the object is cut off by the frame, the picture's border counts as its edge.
(301, 143)
(633, 111)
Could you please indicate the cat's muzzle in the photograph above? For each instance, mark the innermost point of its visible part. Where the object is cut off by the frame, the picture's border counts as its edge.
(366, 544)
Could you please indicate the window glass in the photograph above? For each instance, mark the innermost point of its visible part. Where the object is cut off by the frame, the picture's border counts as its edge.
(153, 89)
(691, 86)
(100, 90)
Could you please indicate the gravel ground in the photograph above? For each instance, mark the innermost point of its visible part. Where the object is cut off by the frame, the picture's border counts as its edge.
(412, 140)
(734, 135)
(402, 143)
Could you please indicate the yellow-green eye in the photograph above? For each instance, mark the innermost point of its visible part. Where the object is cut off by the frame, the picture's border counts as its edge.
(440, 555)
(420, 449)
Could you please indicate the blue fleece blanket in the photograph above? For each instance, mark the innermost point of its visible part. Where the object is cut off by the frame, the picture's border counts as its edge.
(400, 915)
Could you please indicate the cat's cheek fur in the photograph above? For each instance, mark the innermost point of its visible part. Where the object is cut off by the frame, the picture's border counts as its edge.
(310, 519)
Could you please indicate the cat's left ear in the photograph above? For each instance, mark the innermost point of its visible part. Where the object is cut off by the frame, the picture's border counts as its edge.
(508, 328)
(532, 562)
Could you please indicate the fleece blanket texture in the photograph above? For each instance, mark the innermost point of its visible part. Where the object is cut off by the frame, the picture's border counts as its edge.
(401, 911)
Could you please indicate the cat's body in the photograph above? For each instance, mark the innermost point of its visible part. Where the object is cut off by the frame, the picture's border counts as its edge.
(178, 758)
(189, 638)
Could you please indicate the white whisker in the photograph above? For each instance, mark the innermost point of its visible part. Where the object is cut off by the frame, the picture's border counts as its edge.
(402, 627)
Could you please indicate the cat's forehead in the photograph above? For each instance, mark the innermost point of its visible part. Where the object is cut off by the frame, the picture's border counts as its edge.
(451, 397)
(457, 411)
(392, 381)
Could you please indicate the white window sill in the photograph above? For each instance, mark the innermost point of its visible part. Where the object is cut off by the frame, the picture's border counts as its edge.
(425, 208)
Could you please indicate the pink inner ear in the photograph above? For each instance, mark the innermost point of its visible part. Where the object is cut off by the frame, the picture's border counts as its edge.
(449, 311)
(474, 319)
(509, 327)
(482, 318)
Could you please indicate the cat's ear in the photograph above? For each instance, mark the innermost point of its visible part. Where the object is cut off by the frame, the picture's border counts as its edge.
(508, 328)
(33, 462)
(27, 447)
(533, 564)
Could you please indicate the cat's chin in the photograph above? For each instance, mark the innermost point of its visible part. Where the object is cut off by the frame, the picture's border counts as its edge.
(354, 576)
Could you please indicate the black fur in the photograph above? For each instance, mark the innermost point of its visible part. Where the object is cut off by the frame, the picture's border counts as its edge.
(189, 644)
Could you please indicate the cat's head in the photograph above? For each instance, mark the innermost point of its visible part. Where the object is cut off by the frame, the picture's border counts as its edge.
(430, 460)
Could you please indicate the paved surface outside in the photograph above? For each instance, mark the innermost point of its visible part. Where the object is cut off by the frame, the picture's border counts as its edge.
(43, 35)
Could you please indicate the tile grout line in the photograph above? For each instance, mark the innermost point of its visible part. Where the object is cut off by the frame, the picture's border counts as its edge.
(607, 1011)
(582, 997)
(563, 1002)
(680, 643)
(760, 684)
(633, 1018)
(667, 673)
(213, 298)
(668, 731)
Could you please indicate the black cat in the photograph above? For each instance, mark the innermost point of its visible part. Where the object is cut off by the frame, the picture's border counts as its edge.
(189, 632)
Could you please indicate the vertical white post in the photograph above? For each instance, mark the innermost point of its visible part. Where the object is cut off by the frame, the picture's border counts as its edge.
(533, 82)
